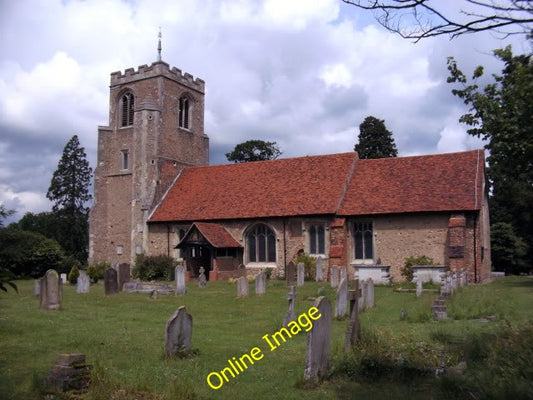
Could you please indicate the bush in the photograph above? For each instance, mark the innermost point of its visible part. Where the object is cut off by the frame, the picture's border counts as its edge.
(73, 275)
(407, 269)
(148, 268)
(96, 271)
(310, 265)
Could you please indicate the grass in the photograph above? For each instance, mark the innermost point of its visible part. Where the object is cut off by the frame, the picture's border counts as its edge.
(122, 337)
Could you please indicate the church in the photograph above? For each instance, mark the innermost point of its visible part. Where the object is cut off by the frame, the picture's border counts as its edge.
(156, 194)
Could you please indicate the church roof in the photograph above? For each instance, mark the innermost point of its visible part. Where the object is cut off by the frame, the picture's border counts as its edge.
(336, 184)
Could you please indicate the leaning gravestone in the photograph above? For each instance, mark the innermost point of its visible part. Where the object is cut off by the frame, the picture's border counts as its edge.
(51, 291)
(334, 277)
(110, 281)
(353, 329)
(301, 274)
(291, 314)
(291, 274)
(242, 287)
(260, 284)
(202, 280)
(83, 283)
(178, 333)
(179, 276)
(319, 270)
(123, 275)
(369, 295)
(317, 353)
(342, 299)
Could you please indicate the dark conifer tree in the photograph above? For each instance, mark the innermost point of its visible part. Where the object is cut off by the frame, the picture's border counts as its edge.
(375, 140)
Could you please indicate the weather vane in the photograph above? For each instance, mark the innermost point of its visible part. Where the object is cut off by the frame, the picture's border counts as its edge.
(159, 46)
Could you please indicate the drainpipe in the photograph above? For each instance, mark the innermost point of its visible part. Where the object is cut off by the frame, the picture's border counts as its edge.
(168, 240)
(475, 248)
(284, 248)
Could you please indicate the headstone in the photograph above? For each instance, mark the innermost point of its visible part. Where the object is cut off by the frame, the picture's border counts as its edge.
(301, 274)
(178, 333)
(179, 277)
(361, 295)
(242, 287)
(439, 310)
(51, 290)
(419, 289)
(317, 353)
(260, 284)
(353, 329)
(36, 287)
(123, 275)
(454, 281)
(63, 278)
(291, 314)
(110, 281)
(341, 302)
(319, 270)
(334, 277)
(153, 294)
(443, 287)
(202, 280)
(291, 274)
(83, 283)
(369, 296)
(69, 374)
(343, 273)
(463, 278)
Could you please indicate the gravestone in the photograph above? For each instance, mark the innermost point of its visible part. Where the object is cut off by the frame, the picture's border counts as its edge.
(242, 287)
(260, 284)
(83, 283)
(110, 281)
(369, 296)
(291, 314)
(361, 295)
(70, 373)
(342, 299)
(123, 275)
(317, 353)
(179, 279)
(202, 280)
(343, 273)
(301, 274)
(334, 277)
(51, 289)
(462, 281)
(353, 329)
(178, 333)
(36, 287)
(291, 274)
(419, 289)
(319, 276)
(63, 278)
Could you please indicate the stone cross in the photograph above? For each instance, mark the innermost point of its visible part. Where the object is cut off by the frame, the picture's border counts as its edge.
(291, 314)
(301, 274)
(291, 274)
(369, 295)
(353, 329)
(51, 291)
(419, 289)
(260, 284)
(334, 276)
(319, 270)
(83, 284)
(178, 333)
(179, 278)
(202, 280)
(123, 275)
(342, 299)
(317, 352)
(110, 281)
(242, 287)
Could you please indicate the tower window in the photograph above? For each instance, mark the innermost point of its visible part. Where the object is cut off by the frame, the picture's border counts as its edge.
(184, 113)
(128, 103)
(125, 159)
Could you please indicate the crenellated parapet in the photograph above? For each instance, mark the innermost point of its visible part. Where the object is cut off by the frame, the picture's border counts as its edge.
(159, 68)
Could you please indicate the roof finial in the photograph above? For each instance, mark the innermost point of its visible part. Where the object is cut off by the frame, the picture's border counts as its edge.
(159, 46)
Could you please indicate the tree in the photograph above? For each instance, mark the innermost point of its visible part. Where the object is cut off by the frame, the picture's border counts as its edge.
(375, 140)
(502, 114)
(69, 190)
(254, 150)
(4, 213)
(507, 249)
(419, 19)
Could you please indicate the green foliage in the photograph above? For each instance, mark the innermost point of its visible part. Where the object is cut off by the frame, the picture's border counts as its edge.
(6, 278)
(148, 268)
(96, 271)
(73, 275)
(310, 265)
(254, 150)
(407, 269)
(375, 140)
(4, 213)
(502, 114)
(508, 250)
(28, 254)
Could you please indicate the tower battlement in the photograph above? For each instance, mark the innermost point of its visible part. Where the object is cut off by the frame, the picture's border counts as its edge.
(156, 69)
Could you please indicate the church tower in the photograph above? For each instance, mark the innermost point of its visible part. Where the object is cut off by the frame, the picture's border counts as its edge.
(156, 127)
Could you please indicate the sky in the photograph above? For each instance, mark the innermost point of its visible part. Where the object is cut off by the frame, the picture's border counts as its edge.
(301, 73)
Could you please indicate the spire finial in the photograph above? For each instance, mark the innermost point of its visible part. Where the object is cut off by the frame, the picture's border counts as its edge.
(159, 46)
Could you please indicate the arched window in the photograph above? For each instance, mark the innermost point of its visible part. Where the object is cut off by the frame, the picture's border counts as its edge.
(363, 241)
(184, 113)
(261, 244)
(127, 105)
(317, 239)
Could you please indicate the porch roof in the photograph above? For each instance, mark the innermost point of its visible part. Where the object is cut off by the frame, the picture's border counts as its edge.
(215, 234)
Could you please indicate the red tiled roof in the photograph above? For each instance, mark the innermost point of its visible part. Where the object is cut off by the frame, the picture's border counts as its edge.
(215, 234)
(440, 182)
(294, 186)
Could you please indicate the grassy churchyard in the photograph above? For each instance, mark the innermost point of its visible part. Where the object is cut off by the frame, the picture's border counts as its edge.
(122, 337)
